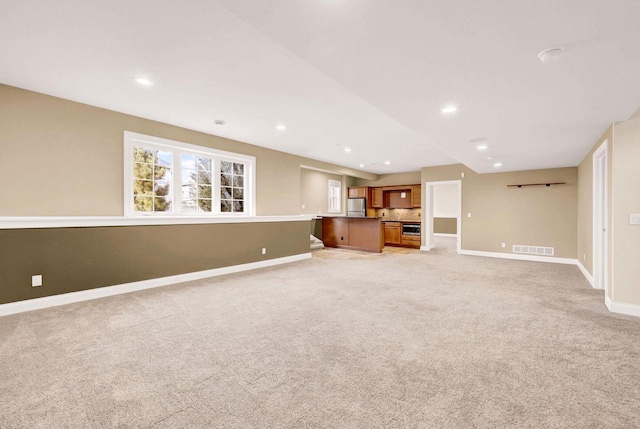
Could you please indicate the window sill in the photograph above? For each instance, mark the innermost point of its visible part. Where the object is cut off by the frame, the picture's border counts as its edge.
(101, 221)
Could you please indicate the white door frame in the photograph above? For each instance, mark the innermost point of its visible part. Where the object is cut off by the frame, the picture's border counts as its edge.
(428, 234)
(600, 216)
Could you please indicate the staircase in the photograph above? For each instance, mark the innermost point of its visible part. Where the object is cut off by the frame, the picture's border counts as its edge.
(315, 243)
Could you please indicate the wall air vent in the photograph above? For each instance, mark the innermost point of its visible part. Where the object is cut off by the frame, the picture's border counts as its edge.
(533, 250)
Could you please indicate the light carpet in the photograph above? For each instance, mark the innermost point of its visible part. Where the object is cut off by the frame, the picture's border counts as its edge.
(404, 339)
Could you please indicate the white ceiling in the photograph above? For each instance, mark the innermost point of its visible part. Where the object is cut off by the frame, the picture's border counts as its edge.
(369, 75)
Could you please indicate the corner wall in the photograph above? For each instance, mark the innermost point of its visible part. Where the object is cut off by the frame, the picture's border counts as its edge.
(314, 191)
(626, 201)
(538, 216)
(585, 204)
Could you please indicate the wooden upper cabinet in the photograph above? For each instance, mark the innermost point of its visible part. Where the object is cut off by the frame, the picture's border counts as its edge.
(377, 202)
(359, 192)
(416, 196)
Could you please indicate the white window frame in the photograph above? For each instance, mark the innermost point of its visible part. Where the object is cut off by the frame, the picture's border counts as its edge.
(337, 185)
(132, 140)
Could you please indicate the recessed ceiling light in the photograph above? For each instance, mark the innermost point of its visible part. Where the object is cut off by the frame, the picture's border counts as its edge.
(551, 54)
(478, 140)
(281, 127)
(347, 149)
(144, 81)
(449, 109)
(497, 164)
(361, 165)
(482, 147)
(387, 162)
(220, 122)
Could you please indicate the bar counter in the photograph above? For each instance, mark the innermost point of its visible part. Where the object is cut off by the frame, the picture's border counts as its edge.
(357, 233)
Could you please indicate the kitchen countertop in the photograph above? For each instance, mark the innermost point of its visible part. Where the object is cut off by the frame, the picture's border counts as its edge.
(400, 220)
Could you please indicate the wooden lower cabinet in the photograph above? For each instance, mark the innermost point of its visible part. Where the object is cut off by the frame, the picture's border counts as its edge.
(410, 241)
(392, 233)
(393, 236)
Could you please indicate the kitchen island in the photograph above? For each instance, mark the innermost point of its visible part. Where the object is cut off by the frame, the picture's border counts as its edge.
(357, 233)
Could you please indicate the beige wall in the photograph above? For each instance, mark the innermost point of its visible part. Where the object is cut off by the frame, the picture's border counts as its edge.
(409, 178)
(585, 203)
(626, 200)
(314, 191)
(540, 216)
(61, 158)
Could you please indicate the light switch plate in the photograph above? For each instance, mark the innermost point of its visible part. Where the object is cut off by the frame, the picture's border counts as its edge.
(634, 219)
(469, 214)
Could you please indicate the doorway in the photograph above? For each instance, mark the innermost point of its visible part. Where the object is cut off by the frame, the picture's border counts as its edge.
(430, 188)
(600, 217)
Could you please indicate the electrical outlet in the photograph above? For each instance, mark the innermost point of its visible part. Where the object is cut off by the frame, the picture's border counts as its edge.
(303, 206)
(504, 244)
(36, 280)
(469, 214)
(264, 250)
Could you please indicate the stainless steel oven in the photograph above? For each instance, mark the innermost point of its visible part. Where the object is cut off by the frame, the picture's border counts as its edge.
(411, 229)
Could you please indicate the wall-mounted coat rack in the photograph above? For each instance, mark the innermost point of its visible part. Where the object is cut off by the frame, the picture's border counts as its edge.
(536, 184)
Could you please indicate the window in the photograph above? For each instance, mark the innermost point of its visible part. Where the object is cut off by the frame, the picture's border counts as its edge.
(167, 177)
(334, 196)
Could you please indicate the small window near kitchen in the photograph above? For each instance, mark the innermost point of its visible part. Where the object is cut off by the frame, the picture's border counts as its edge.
(334, 196)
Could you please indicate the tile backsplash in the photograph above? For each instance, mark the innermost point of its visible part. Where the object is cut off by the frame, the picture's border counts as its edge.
(398, 214)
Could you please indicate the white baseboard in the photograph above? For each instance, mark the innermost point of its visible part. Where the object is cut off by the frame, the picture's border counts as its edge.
(621, 307)
(102, 292)
(426, 249)
(442, 234)
(585, 273)
(534, 258)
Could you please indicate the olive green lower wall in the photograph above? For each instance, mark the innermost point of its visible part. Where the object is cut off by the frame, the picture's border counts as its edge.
(75, 259)
(316, 228)
(445, 225)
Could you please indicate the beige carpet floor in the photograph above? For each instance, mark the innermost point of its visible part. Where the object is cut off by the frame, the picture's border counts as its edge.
(404, 339)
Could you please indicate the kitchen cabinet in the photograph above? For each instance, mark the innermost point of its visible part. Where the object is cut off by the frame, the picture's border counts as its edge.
(359, 192)
(410, 241)
(393, 233)
(377, 202)
(400, 199)
(416, 196)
